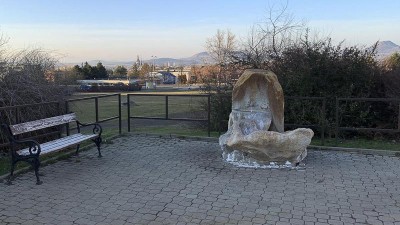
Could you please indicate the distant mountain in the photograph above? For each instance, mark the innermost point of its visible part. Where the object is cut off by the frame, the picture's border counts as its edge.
(197, 59)
(110, 64)
(385, 48)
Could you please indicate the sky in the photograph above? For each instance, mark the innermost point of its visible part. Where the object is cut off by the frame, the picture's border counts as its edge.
(119, 30)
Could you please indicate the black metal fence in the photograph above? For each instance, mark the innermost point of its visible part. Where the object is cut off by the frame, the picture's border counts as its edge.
(19, 113)
(95, 106)
(339, 128)
(166, 114)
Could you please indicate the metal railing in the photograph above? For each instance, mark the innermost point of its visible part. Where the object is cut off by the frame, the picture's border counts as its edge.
(338, 128)
(96, 108)
(166, 115)
(14, 114)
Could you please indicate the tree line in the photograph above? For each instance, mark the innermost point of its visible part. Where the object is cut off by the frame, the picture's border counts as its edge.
(99, 71)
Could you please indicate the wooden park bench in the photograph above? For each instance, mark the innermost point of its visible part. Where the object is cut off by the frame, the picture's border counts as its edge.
(33, 149)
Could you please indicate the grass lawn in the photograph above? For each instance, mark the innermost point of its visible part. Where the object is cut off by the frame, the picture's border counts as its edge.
(360, 143)
(145, 106)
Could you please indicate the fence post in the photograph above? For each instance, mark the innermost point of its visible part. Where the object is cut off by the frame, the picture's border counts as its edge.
(129, 111)
(166, 107)
(209, 115)
(323, 121)
(67, 111)
(220, 113)
(398, 116)
(119, 114)
(96, 105)
(16, 115)
(60, 112)
(337, 122)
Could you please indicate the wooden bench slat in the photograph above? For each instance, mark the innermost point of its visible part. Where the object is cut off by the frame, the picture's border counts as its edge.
(65, 142)
(42, 123)
(61, 143)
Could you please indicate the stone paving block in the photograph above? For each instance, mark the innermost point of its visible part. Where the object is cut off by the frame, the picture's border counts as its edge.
(153, 180)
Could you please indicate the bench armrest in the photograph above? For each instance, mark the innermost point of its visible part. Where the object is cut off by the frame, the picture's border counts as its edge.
(97, 129)
(33, 146)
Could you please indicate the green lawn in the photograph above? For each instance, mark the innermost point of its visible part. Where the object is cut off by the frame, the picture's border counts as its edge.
(145, 106)
(360, 143)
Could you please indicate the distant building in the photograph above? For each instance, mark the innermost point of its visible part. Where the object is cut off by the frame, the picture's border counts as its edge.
(168, 78)
(162, 77)
(184, 72)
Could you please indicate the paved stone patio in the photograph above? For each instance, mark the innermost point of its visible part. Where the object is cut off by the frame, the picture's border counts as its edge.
(150, 180)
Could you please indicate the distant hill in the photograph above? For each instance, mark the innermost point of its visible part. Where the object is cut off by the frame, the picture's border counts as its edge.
(197, 59)
(385, 48)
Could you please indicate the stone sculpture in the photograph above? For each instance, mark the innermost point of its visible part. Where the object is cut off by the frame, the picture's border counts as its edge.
(256, 123)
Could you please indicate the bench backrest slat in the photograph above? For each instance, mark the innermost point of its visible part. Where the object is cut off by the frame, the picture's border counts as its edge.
(42, 123)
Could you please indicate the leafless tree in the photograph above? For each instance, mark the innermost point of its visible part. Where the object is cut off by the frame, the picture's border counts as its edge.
(221, 46)
(266, 40)
(27, 77)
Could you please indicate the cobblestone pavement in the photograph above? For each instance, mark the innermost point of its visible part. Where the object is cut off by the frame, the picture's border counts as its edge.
(150, 180)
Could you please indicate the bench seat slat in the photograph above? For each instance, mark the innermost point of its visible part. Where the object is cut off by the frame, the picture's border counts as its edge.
(60, 143)
(42, 123)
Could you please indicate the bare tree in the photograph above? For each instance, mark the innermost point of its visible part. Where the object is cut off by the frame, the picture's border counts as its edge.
(266, 40)
(221, 46)
(27, 77)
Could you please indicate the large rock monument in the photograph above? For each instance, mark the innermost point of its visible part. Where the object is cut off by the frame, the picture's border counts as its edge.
(256, 127)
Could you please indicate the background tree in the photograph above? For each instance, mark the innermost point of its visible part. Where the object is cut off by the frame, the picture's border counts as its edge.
(266, 40)
(88, 71)
(77, 70)
(134, 71)
(110, 72)
(145, 70)
(91, 72)
(101, 71)
(391, 75)
(69, 76)
(221, 47)
(182, 79)
(220, 77)
(392, 62)
(120, 71)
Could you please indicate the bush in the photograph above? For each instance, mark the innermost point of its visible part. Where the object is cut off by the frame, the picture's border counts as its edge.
(28, 77)
(321, 69)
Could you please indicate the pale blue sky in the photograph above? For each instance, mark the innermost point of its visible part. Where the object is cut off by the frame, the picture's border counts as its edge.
(83, 30)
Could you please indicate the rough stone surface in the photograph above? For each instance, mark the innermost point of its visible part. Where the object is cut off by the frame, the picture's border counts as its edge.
(257, 120)
(149, 180)
(271, 146)
(259, 90)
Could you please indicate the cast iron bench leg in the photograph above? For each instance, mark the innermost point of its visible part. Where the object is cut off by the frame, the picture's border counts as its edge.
(97, 141)
(36, 165)
(77, 149)
(10, 178)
